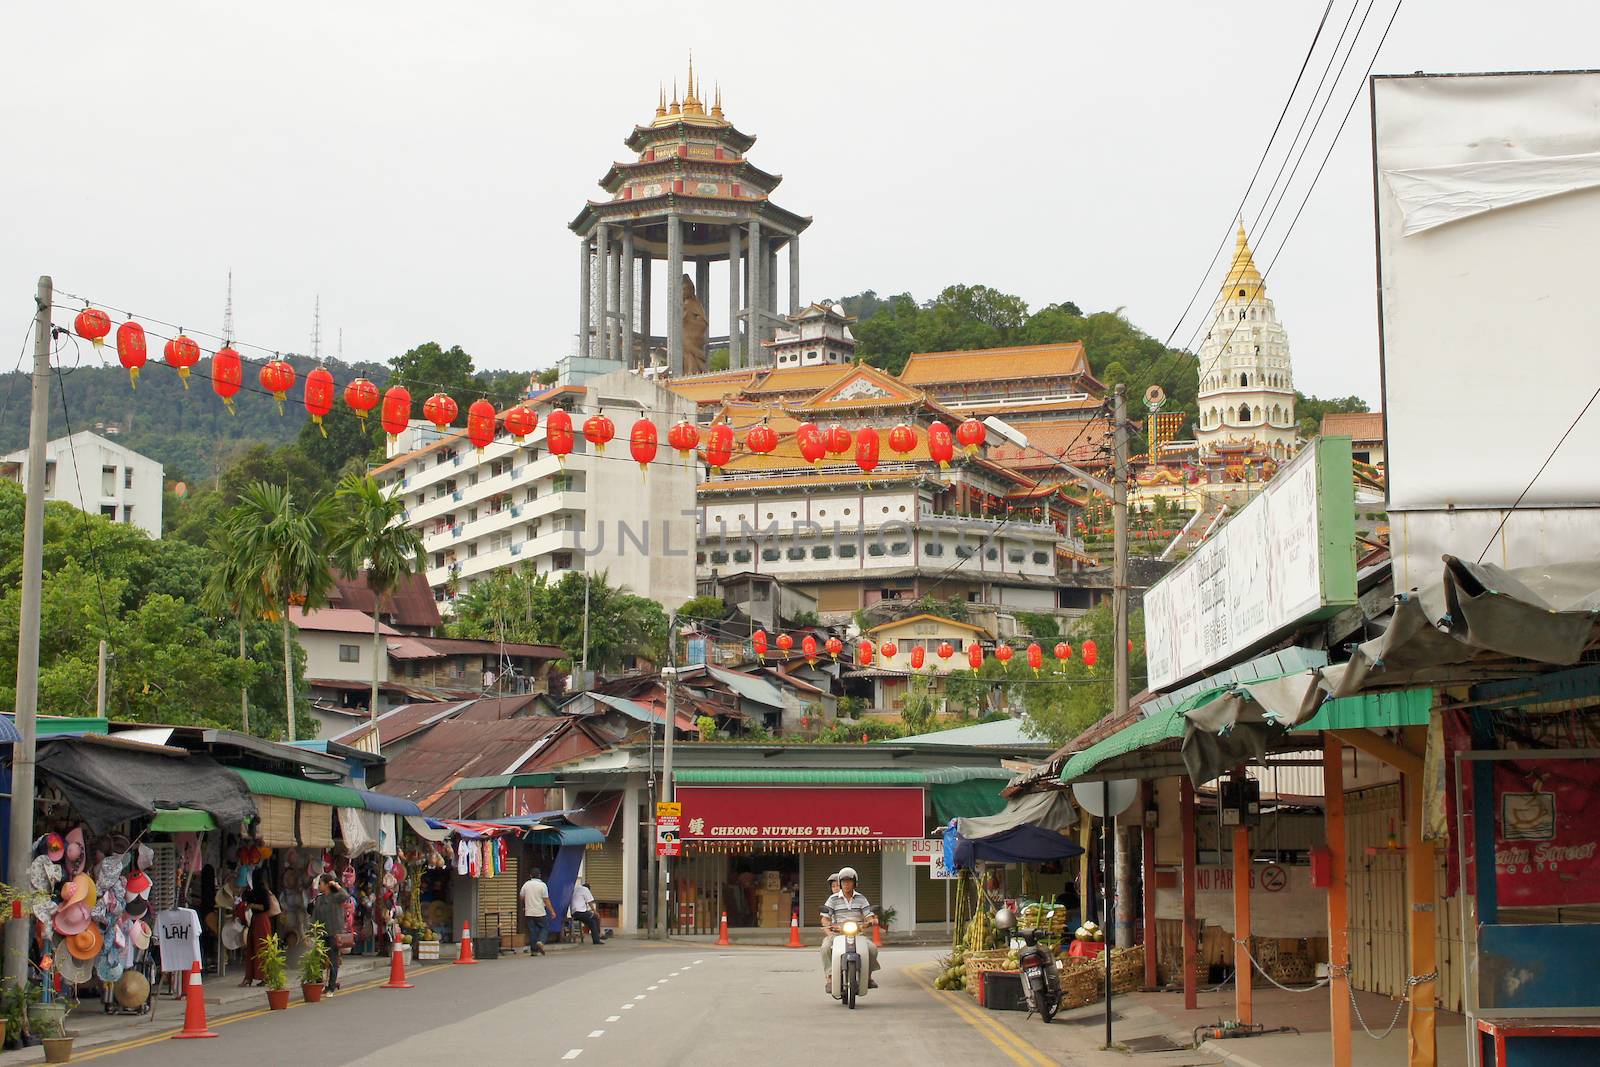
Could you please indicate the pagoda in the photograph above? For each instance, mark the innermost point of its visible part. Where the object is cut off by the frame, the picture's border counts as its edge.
(690, 195)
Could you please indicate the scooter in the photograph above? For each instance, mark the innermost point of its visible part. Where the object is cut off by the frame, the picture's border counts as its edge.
(1041, 978)
(847, 961)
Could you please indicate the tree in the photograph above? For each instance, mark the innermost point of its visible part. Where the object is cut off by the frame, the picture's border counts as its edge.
(919, 712)
(520, 605)
(1311, 409)
(283, 547)
(234, 590)
(371, 534)
(430, 368)
(1064, 702)
(703, 609)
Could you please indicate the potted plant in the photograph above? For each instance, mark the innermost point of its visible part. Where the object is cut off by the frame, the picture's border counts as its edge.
(886, 916)
(314, 964)
(275, 972)
(48, 1022)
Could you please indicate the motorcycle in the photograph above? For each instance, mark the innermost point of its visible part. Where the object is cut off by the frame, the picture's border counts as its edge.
(1041, 978)
(847, 962)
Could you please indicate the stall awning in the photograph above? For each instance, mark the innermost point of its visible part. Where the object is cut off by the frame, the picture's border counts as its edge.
(570, 835)
(109, 782)
(266, 784)
(836, 775)
(182, 820)
(967, 800)
(506, 781)
(383, 802)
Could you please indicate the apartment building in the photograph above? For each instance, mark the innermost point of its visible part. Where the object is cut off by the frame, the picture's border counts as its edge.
(97, 476)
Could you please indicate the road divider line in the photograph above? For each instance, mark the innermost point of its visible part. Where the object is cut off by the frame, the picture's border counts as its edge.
(597, 1033)
(1019, 1049)
(573, 1053)
(613, 1018)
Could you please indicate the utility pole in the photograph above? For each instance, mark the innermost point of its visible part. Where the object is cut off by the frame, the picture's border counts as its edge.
(670, 675)
(25, 751)
(1119, 606)
(100, 683)
(584, 668)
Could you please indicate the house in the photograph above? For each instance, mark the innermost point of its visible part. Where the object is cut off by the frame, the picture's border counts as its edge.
(1365, 430)
(763, 600)
(403, 725)
(98, 476)
(890, 676)
(409, 608)
(463, 667)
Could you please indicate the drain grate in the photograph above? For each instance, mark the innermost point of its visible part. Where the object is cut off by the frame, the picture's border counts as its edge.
(1154, 1043)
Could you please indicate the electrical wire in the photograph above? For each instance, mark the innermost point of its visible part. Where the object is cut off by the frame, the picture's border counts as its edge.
(1536, 474)
(17, 371)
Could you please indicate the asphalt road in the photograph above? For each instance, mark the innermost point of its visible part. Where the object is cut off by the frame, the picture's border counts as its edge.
(625, 1004)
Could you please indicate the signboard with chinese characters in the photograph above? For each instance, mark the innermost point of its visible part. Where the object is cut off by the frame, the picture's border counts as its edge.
(1286, 557)
(796, 813)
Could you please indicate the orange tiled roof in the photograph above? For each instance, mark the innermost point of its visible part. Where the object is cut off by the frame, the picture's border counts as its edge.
(1074, 440)
(712, 388)
(797, 479)
(994, 364)
(800, 379)
(895, 392)
(1357, 425)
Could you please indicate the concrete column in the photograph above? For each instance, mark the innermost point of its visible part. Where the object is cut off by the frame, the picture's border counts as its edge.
(602, 302)
(756, 290)
(674, 296)
(735, 349)
(627, 298)
(769, 274)
(702, 284)
(585, 295)
(628, 915)
(614, 316)
(794, 275)
(646, 329)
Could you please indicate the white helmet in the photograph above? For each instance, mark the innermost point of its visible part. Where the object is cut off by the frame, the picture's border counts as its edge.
(834, 877)
(848, 872)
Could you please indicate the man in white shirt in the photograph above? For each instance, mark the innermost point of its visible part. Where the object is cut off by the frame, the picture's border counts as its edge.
(536, 910)
(583, 910)
(847, 899)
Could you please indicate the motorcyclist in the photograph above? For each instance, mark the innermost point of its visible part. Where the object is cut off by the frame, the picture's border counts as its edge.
(846, 899)
(833, 887)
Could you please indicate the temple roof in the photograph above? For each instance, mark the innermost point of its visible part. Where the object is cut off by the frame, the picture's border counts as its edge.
(1077, 441)
(1061, 360)
(1357, 425)
(1242, 273)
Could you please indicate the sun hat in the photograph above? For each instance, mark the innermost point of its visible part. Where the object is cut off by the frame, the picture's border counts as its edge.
(140, 932)
(138, 884)
(133, 989)
(75, 858)
(71, 969)
(108, 968)
(52, 845)
(147, 858)
(233, 934)
(138, 907)
(86, 944)
(43, 874)
(71, 919)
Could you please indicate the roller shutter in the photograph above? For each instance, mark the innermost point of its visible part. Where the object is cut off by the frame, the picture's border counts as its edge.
(497, 903)
(931, 897)
(602, 866)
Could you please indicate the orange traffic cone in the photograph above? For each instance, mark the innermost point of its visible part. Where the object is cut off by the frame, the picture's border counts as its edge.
(794, 932)
(194, 1008)
(397, 969)
(877, 935)
(466, 955)
(722, 930)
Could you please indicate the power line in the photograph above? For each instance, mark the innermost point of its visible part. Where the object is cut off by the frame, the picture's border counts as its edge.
(1525, 489)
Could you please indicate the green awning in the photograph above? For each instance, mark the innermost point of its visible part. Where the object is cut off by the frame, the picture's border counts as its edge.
(507, 781)
(836, 775)
(265, 784)
(971, 799)
(181, 820)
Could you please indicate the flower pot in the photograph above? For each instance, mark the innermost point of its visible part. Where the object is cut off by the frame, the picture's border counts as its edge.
(57, 1049)
(312, 991)
(277, 999)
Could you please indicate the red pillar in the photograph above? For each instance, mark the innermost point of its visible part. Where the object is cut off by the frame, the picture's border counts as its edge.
(1243, 987)
(1338, 902)
(1190, 948)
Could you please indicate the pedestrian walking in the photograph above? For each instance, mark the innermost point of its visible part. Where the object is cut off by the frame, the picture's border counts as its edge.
(583, 910)
(537, 910)
(328, 909)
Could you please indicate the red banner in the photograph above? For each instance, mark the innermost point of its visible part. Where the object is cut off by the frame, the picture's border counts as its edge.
(1547, 831)
(802, 813)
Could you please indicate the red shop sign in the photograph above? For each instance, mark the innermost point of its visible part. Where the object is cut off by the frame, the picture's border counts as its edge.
(1547, 831)
(734, 813)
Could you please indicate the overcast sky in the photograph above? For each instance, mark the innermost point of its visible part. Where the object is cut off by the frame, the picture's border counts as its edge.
(416, 164)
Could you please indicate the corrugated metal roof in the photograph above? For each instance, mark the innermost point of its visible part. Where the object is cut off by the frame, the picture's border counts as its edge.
(749, 686)
(834, 775)
(1002, 733)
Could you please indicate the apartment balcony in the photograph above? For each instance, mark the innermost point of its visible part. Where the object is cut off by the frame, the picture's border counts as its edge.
(515, 553)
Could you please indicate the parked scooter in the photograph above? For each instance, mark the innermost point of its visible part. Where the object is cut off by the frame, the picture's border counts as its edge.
(848, 963)
(1041, 976)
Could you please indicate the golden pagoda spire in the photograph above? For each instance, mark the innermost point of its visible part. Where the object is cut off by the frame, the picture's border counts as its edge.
(716, 107)
(661, 100)
(674, 109)
(1242, 272)
(692, 104)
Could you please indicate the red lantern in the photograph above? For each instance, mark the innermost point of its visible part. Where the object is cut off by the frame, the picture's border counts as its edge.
(396, 414)
(941, 447)
(182, 353)
(785, 642)
(361, 396)
(558, 434)
(864, 653)
(227, 375)
(867, 449)
(1063, 652)
(719, 445)
(480, 424)
(834, 647)
(520, 422)
(440, 410)
(902, 439)
(1130, 646)
(760, 439)
(809, 438)
(683, 437)
(808, 648)
(1090, 653)
(642, 443)
(277, 378)
(971, 434)
(1035, 656)
(946, 650)
(131, 350)
(598, 430)
(319, 396)
(838, 439)
(975, 655)
(888, 650)
(919, 655)
(758, 641)
(1004, 653)
(92, 325)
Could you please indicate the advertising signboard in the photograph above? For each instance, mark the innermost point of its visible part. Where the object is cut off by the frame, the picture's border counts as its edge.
(796, 813)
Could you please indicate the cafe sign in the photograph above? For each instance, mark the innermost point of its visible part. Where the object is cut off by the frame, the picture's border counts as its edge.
(751, 813)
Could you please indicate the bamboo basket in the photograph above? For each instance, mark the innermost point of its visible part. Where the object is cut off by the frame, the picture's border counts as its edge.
(1127, 969)
(1081, 983)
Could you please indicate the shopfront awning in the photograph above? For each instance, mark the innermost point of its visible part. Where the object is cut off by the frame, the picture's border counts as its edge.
(967, 800)
(532, 780)
(715, 814)
(266, 784)
(182, 820)
(836, 775)
(386, 804)
(569, 835)
(108, 782)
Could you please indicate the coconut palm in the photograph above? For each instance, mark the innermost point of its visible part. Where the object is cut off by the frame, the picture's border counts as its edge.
(371, 535)
(233, 590)
(283, 548)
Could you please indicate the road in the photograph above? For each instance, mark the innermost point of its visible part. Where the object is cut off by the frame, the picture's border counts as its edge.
(626, 1004)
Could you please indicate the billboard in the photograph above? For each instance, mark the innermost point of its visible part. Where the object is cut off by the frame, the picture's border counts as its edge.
(1285, 557)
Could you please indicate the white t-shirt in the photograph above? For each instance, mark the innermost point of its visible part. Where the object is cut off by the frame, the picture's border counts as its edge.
(178, 932)
(533, 894)
(582, 899)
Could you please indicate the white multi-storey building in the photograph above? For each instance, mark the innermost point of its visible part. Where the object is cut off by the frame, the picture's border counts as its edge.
(1246, 395)
(820, 335)
(97, 476)
(515, 504)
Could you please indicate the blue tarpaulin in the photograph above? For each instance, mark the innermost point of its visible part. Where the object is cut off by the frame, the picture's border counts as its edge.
(1021, 844)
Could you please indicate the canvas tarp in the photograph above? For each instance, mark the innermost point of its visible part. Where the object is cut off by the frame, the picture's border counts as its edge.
(1031, 828)
(108, 785)
(1051, 809)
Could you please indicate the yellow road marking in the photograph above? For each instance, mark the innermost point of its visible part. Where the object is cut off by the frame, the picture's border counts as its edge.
(235, 1017)
(1019, 1049)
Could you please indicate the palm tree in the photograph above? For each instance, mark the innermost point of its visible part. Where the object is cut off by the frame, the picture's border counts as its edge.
(282, 548)
(233, 590)
(371, 535)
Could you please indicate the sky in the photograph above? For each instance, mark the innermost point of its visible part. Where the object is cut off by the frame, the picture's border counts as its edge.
(415, 165)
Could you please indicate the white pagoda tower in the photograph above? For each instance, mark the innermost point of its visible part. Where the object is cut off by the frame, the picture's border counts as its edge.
(1246, 395)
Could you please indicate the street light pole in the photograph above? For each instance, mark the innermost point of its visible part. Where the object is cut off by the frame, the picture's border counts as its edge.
(669, 675)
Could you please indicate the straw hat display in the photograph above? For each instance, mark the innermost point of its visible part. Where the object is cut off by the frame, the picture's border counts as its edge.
(132, 989)
(86, 944)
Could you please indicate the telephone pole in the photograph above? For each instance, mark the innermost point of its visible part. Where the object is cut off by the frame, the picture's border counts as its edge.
(669, 675)
(25, 751)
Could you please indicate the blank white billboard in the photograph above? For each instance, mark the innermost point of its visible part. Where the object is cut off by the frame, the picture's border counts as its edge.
(1488, 204)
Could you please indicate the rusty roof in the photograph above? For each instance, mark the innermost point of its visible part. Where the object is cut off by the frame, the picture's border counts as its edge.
(1059, 360)
(411, 604)
(1357, 425)
(467, 748)
(1074, 440)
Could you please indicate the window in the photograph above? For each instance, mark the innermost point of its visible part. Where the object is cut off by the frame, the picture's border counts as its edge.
(472, 514)
(796, 552)
(933, 548)
(964, 551)
(719, 556)
(1041, 558)
(472, 479)
(109, 511)
(821, 552)
(992, 554)
(875, 548)
(438, 559)
(127, 514)
(741, 555)
(108, 481)
(1015, 555)
(1244, 412)
(349, 653)
(500, 541)
(472, 550)
(770, 555)
(900, 548)
(127, 477)
(847, 551)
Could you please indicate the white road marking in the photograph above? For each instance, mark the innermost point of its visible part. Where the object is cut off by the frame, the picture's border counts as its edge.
(639, 997)
(676, 973)
(652, 988)
(573, 1053)
(699, 961)
(625, 1007)
(597, 1033)
(613, 1018)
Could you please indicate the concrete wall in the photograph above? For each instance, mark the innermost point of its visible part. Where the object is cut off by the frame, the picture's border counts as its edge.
(322, 656)
(101, 477)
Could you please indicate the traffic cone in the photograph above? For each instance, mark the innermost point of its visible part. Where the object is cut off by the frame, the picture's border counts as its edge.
(194, 1008)
(466, 955)
(722, 930)
(794, 932)
(877, 935)
(397, 969)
